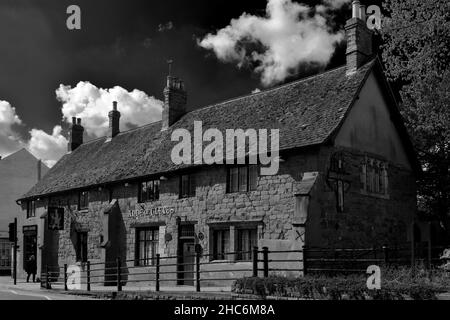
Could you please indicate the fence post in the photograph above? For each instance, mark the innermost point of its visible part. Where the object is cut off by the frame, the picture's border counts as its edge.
(157, 272)
(304, 260)
(88, 275)
(429, 246)
(255, 261)
(119, 280)
(266, 261)
(46, 277)
(197, 271)
(65, 277)
(413, 249)
(385, 253)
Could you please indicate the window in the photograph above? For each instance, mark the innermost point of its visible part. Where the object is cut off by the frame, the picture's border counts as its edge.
(242, 178)
(31, 208)
(221, 244)
(147, 240)
(82, 246)
(374, 176)
(246, 239)
(187, 186)
(149, 191)
(83, 200)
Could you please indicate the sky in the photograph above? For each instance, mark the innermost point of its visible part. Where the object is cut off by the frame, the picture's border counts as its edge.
(221, 49)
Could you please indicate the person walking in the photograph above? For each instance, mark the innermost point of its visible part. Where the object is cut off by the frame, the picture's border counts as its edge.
(31, 268)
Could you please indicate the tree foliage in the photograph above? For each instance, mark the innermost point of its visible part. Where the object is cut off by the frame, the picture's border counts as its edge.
(416, 36)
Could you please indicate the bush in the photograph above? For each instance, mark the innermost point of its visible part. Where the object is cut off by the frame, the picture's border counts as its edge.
(397, 284)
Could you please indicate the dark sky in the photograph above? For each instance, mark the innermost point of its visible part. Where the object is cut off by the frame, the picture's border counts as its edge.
(119, 44)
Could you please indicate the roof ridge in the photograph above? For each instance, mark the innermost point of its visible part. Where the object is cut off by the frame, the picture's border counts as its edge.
(122, 132)
(284, 85)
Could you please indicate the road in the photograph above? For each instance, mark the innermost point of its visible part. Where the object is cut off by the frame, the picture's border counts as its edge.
(31, 291)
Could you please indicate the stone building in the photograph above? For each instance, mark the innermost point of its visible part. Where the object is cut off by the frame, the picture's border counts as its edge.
(19, 171)
(346, 177)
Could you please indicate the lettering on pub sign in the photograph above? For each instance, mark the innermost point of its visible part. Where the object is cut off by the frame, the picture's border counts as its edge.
(148, 210)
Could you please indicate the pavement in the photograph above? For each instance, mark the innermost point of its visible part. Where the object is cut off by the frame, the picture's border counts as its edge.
(31, 291)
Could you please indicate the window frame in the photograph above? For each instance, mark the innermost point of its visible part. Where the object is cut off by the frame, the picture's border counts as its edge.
(83, 206)
(191, 189)
(374, 177)
(153, 242)
(224, 245)
(246, 255)
(236, 186)
(155, 195)
(31, 209)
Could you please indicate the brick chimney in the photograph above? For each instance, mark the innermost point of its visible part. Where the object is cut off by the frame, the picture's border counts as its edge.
(114, 117)
(76, 134)
(359, 38)
(175, 98)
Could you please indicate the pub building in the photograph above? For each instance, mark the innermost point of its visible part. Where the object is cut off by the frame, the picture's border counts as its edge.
(346, 177)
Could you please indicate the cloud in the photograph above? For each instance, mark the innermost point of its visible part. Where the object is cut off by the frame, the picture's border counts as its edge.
(49, 147)
(336, 4)
(290, 35)
(10, 140)
(92, 104)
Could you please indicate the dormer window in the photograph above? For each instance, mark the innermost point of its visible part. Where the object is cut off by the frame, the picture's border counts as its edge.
(242, 178)
(187, 186)
(148, 191)
(31, 208)
(83, 200)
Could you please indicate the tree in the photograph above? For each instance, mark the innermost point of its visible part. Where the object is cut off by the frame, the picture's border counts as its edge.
(416, 36)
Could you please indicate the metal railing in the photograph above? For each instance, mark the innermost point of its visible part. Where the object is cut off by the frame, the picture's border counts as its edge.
(202, 268)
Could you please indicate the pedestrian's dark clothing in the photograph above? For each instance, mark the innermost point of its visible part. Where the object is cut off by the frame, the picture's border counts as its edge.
(31, 268)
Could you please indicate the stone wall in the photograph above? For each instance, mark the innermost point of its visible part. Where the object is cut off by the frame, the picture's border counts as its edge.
(366, 220)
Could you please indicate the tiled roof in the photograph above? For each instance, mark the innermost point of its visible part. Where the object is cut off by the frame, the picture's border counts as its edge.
(306, 112)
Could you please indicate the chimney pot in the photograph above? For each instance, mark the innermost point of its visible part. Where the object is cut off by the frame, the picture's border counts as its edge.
(114, 105)
(362, 12)
(79, 121)
(356, 9)
(74, 120)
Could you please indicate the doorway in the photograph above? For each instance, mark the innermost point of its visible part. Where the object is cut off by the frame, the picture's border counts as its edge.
(29, 243)
(186, 256)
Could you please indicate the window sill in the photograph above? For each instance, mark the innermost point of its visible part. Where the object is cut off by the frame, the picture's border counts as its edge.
(239, 192)
(375, 195)
(148, 201)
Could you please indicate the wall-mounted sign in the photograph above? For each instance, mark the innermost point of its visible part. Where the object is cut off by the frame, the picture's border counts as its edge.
(55, 218)
(27, 230)
(144, 210)
(168, 237)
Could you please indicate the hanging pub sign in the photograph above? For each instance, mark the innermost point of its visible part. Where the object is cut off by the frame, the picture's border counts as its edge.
(146, 210)
(55, 218)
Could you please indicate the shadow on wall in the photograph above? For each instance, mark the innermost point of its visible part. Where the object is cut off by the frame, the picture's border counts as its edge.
(116, 248)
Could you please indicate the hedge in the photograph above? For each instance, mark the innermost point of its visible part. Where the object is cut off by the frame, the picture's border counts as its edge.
(396, 286)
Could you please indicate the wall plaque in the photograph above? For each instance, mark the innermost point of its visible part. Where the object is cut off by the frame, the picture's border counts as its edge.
(147, 210)
(55, 218)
